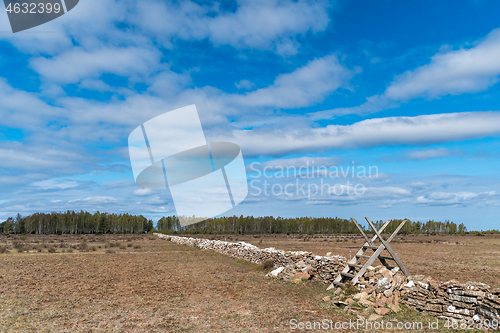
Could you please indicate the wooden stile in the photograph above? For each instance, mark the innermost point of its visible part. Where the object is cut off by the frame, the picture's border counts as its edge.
(349, 271)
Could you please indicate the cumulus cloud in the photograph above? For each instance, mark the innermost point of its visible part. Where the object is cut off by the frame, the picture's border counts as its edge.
(304, 86)
(76, 64)
(466, 70)
(261, 24)
(455, 72)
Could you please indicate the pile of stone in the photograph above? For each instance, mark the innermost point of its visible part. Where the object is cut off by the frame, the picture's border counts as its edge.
(295, 265)
(383, 290)
(452, 299)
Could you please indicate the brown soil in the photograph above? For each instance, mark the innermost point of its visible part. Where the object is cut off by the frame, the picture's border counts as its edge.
(159, 287)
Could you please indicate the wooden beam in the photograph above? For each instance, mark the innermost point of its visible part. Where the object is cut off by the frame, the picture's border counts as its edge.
(388, 247)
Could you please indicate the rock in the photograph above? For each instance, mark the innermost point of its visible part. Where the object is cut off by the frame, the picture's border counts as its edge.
(304, 276)
(382, 311)
(434, 307)
(398, 279)
(307, 269)
(394, 308)
(385, 273)
(370, 268)
(388, 293)
(276, 271)
(362, 295)
(477, 285)
(297, 280)
(320, 268)
(423, 285)
(410, 284)
(381, 301)
(394, 270)
(365, 302)
(374, 317)
(416, 278)
(326, 298)
(367, 311)
(328, 254)
(382, 284)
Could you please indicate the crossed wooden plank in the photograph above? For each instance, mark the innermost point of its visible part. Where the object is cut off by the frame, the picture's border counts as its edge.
(376, 255)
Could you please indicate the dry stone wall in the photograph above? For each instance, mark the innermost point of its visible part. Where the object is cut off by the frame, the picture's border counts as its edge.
(380, 288)
(384, 290)
(305, 264)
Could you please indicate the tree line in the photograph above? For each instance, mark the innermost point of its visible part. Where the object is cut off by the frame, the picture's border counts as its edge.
(302, 225)
(71, 222)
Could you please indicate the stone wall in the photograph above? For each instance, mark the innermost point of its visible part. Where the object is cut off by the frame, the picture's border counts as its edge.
(300, 263)
(383, 290)
(452, 299)
(380, 288)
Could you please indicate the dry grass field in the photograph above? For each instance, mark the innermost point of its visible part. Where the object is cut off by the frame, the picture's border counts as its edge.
(465, 258)
(138, 283)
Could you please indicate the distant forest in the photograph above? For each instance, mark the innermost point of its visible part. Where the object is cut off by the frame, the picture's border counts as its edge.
(82, 222)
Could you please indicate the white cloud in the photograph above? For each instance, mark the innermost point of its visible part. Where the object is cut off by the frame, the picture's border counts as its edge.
(418, 185)
(431, 153)
(24, 110)
(455, 72)
(467, 70)
(457, 198)
(419, 130)
(303, 87)
(95, 199)
(261, 24)
(55, 184)
(244, 84)
(77, 64)
(143, 191)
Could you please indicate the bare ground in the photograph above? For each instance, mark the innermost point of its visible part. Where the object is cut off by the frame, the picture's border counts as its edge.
(160, 287)
(131, 283)
(465, 258)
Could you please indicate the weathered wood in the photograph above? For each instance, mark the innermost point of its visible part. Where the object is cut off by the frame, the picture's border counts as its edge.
(371, 259)
(363, 256)
(370, 242)
(388, 247)
(338, 284)
(359, 254)
(349, 275)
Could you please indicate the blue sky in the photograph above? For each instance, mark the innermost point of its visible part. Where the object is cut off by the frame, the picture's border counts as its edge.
(408, 88)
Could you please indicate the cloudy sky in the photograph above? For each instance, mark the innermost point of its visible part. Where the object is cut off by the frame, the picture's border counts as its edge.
(331, 89)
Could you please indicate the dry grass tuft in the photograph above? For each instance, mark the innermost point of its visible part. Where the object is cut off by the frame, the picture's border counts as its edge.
(266, 265)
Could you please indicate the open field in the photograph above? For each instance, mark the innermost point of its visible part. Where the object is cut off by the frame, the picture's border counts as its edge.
(139, 283)
(465, 258)
(150, 286)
